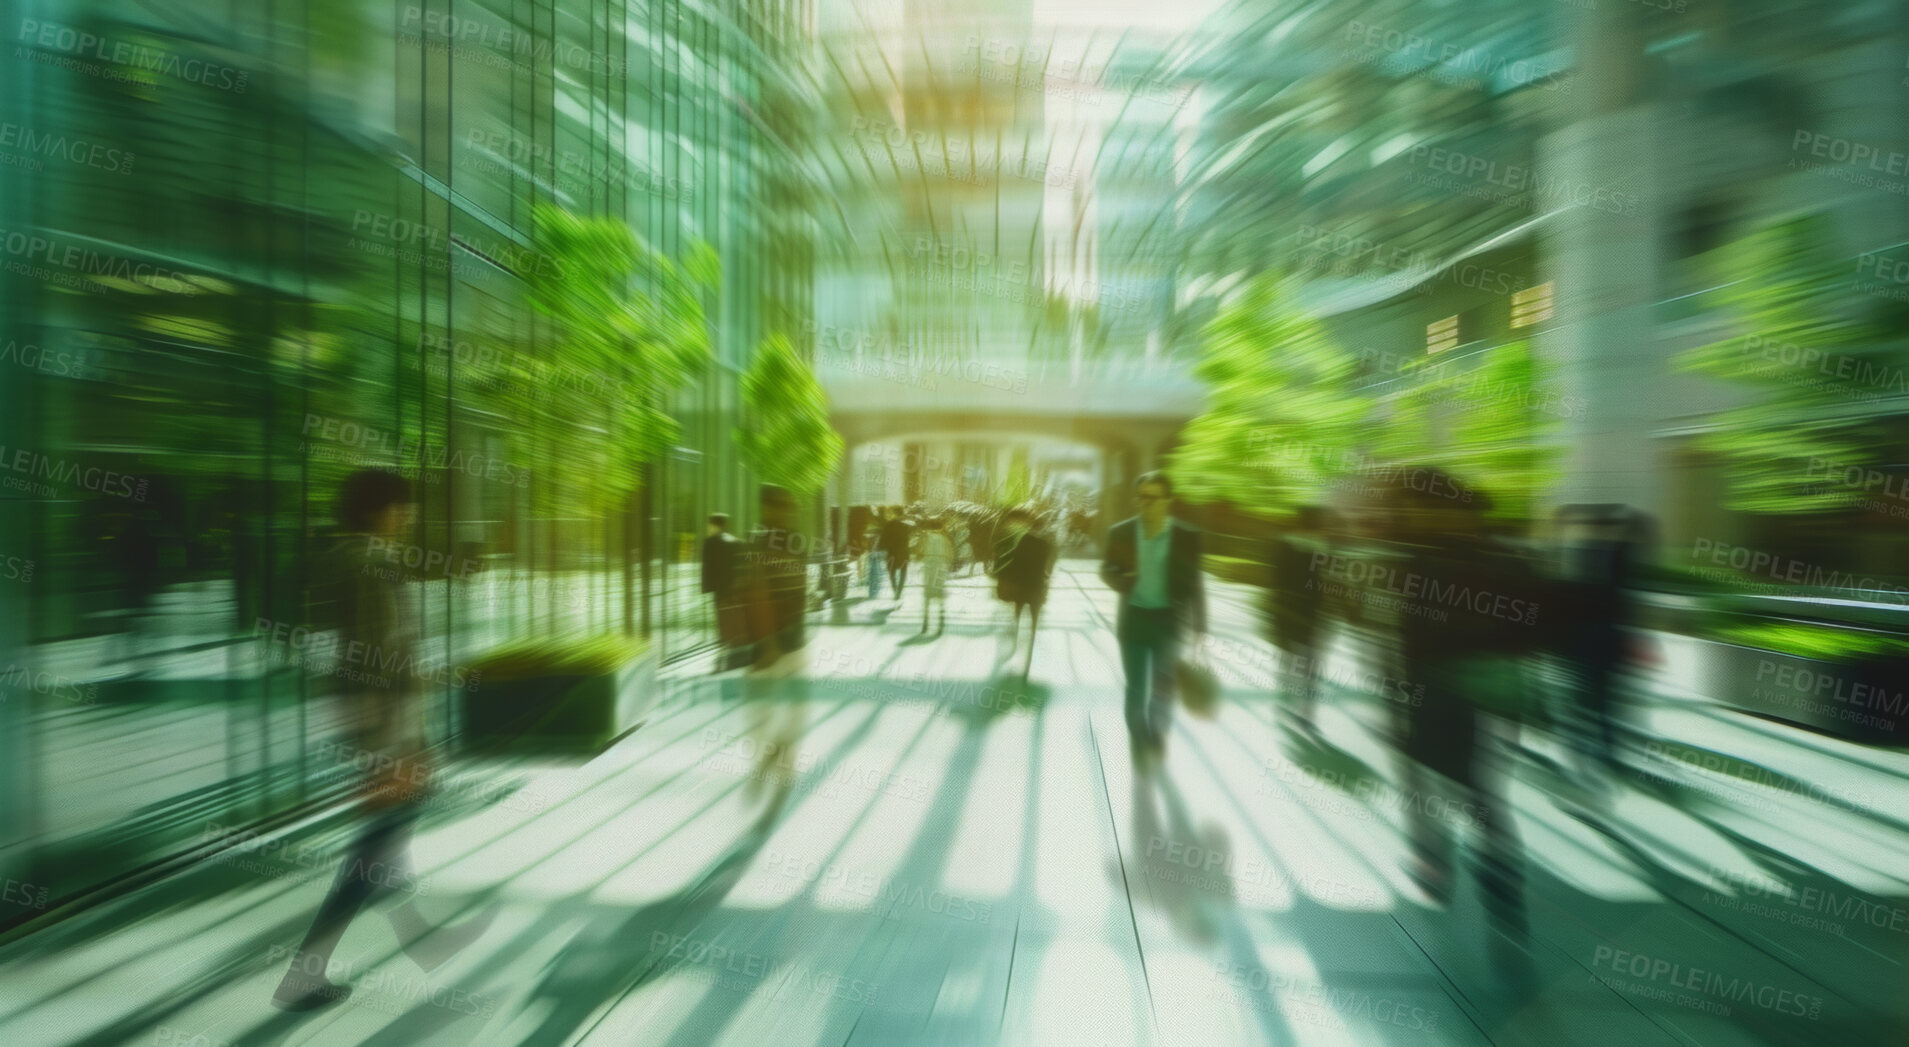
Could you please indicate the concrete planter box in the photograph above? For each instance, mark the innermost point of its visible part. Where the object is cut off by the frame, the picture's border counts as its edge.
(1863, 699)
(564, 714)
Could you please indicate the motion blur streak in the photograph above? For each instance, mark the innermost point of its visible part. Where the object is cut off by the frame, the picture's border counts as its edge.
(954, 522)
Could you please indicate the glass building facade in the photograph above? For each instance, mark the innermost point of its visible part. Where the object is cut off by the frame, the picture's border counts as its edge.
(259, 248)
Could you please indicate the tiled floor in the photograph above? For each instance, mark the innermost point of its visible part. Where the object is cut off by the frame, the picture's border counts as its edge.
(966, 859)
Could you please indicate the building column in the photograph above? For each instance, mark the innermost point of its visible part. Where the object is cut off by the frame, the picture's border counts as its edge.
(1605, 256)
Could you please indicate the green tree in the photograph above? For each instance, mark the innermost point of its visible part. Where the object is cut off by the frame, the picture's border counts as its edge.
(627, 330)
(785, 438)
(1808, 360)
(1283, 418)
(1490, 424)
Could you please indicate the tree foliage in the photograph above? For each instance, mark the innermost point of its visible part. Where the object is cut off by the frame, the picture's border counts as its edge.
(627, 324)
(786, 438)
(1490, 424)
(1804, 358)
(1283, 417)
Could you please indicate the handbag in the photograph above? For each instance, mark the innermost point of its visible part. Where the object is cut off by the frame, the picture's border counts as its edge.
(1198, 686)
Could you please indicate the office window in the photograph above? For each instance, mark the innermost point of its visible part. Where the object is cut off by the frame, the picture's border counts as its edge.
(1531, 305)
(1441, 335)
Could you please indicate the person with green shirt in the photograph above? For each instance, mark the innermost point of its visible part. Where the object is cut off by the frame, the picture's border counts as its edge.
(1153, 561)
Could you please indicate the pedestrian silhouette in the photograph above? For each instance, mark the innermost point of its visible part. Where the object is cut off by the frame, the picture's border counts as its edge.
(936, 552)
(1153, 561)
(385, 734)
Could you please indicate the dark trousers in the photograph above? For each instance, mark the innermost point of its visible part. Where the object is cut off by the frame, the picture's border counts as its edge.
(1595, 655)
(1149, 647)
(374, 865)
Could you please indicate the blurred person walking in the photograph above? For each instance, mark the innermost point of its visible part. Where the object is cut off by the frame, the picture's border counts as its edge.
(132, 546)
(877, 554)
(897, 534)
(1023, 562)
(776, 683)
(1153, 560)
(1296, 605)
(936, 551)
(721, 551)
(1464, 637)
(981, 536)
(1599, 553)
(384, 722)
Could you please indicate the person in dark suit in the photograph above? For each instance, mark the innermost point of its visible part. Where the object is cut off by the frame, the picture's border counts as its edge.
(1600, 554)
(981, 539)
(776, 584)
(1296, 608)
(1464, 636)
(384, 713)
(1154, 562)
(721, 551)
(897, 534)
(1023, 560)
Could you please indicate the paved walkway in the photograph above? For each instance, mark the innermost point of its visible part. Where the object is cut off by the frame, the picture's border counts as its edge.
(966, 859)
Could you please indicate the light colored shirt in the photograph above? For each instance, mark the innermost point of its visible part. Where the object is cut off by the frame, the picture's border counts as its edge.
(1150, 566)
